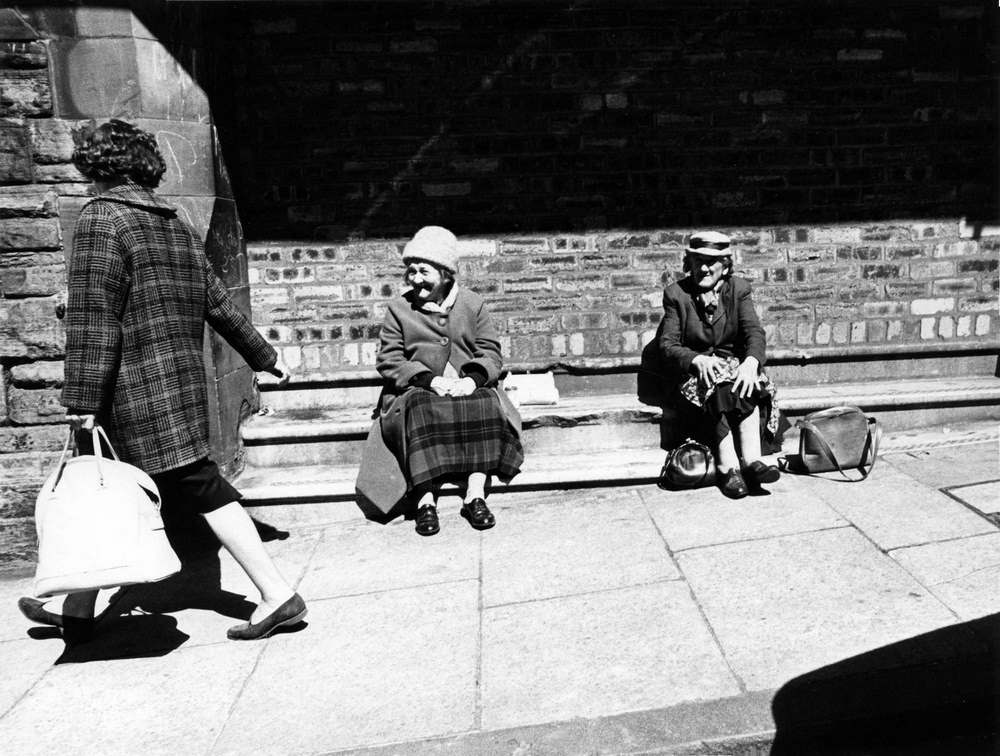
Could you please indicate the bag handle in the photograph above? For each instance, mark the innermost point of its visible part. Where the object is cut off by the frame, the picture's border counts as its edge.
(872, 441)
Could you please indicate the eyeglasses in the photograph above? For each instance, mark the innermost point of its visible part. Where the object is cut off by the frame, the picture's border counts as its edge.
(708, 261)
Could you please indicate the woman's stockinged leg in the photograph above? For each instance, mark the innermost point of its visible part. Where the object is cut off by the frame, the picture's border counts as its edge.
(80, 605)
(728, 459)
(749, 433)
(476, 486)
(234, 528)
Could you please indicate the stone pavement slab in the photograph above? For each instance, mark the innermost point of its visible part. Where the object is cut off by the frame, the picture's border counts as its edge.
(369, 669)
(364, 557)
(23, 663)
(947, 466)
(783, 606)
(964, 573)
(983, 496)
(894, 510)
(12, 622)
(704, 517)
(589, 541)
(132, 706)
(598, 653)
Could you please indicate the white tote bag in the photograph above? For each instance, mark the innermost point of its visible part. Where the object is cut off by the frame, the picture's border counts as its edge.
(99, 525)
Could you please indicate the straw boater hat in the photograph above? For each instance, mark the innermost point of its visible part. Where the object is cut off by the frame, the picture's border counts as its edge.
(709, 243)
(435, 245)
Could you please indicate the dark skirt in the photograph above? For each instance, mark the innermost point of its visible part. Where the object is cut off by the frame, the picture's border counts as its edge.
(722, 410)
(449, 437)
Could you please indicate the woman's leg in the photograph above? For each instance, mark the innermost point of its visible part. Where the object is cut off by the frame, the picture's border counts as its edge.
(80, 605)
(728, 458)
(476, 487)
(234, 528)
(749, 433)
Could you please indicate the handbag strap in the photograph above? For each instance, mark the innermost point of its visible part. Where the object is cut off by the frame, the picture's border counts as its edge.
(872, 440)
(62, 457)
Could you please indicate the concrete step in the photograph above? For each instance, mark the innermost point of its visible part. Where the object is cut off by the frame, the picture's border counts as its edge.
(585, 424)
(330, 488)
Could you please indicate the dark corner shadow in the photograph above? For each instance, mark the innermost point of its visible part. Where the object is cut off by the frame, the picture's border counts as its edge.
(372, 512)
(935, 693)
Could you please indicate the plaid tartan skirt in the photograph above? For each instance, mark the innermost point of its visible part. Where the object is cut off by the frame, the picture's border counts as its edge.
(449, 437)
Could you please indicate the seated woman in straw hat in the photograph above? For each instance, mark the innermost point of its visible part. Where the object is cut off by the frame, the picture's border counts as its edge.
(440, 413)
(712, 350)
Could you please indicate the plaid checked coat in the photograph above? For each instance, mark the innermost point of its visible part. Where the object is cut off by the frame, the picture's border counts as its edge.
(140, 292)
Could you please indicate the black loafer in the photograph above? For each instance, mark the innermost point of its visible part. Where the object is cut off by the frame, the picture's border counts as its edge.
(478, 514)
(35, 610)
(760, 472)
(733, 485)
(292, 612)
(427, 520)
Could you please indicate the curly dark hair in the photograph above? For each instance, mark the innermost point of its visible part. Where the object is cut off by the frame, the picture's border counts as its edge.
(118, 150)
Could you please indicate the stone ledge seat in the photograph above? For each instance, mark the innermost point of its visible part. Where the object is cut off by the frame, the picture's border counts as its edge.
(619, 441)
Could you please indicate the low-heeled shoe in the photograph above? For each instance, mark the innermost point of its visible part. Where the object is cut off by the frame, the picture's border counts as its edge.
(427, 521)
(478, 514)
(35, 610)
(292, 612)
(733, 485)
(758, 472)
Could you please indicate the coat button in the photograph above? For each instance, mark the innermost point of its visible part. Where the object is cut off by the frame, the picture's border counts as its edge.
(443, 321)
(444, 339)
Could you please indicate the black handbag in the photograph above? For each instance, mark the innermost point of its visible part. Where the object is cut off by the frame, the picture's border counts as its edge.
(835, 439)
(689, 465)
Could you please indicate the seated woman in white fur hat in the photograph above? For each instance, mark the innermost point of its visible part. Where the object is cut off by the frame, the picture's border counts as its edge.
(712, 351)
(441, 416)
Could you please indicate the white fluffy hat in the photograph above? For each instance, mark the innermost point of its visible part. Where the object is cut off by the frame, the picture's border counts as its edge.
(433, 244)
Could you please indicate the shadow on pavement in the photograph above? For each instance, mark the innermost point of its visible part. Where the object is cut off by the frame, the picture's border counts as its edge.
(933, 694)
(134, 637)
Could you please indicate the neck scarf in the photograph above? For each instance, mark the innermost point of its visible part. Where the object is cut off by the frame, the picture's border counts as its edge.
(446, 304)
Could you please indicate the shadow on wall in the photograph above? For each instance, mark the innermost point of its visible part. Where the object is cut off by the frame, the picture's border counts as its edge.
(936, 693)
(372, 119)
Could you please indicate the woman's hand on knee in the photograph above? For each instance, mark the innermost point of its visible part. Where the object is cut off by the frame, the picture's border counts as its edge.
(463, 387)
(747, 377)
(441, 386)
(708, 368)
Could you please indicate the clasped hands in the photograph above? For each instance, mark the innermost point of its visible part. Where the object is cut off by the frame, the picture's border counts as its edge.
(452, 386)
(710, 368)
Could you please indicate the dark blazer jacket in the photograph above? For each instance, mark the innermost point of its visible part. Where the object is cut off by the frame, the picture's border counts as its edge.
(140, 292)
(684, 334)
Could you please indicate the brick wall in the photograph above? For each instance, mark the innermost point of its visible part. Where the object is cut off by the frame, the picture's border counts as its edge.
(59, 65)
(362, 120)
(594, 299)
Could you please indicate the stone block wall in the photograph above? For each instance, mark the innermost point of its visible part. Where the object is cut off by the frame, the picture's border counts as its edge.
(368, 120)
(594, 299)
(60, 65)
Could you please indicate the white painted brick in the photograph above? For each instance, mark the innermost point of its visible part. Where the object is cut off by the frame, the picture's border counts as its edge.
(927, 328)
(931, 306)
(982, 325)
(946, 327)
(823, 333)
(964, 326)
(576, 345)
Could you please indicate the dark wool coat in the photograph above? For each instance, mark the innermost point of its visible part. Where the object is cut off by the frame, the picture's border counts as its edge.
(683, 333)
(415, 342)
(140, 292)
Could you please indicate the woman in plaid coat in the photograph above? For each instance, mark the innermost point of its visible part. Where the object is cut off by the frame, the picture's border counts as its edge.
(140, 291)
(441, 417)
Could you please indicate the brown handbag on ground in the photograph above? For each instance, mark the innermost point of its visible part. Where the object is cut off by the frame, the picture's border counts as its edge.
(689, 465)
(838, 438)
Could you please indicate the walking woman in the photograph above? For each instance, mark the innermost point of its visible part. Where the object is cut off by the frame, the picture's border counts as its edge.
(713, 351)
(440, 413)
(140, 292)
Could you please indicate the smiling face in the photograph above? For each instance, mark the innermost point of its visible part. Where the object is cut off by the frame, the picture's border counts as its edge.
(707, 270)
(429, 282)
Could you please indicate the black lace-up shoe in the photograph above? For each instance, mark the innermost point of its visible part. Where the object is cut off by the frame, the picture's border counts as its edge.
(478, 514)
(427, 520)
(733, 485)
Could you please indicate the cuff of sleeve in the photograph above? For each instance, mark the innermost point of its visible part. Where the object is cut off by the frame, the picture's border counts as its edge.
(476, 373)
(422, 380)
